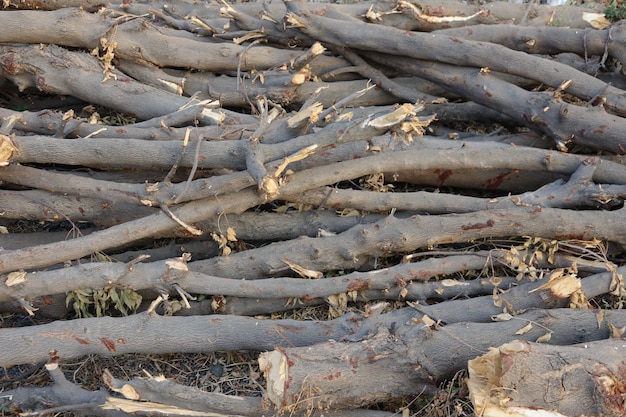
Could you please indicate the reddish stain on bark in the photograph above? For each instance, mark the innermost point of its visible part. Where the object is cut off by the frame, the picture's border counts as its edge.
(9, 64)
(400, 280)
(120, 131)
(358, 285)
(109, 344)
(424, 273)
(499, 179)
(333, 376)
(434, 11)
(81, 341)
(579, 236)
(475, 226)
(307, 298)
(600, 130)
(443, 175)
(354, 363)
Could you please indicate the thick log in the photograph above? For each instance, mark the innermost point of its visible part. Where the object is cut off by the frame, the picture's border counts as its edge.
(454, 51)
(35, 66)
(154, 395)
(407, 359)
(136, 40)
(524, 377)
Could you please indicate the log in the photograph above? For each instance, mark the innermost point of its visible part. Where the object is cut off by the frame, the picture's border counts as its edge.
(460, 166)
(406, 359)
(521, 377)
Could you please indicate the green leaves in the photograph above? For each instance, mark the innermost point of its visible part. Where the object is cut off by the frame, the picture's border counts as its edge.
(90, 303)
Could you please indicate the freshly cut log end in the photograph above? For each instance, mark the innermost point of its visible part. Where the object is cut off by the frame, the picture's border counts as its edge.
(7, 148)
(521, 379)
(343, 375)
(276, 371)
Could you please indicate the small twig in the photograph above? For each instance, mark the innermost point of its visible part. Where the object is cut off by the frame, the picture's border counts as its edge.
(241, 59)
(184, 295)
(598, 96)
(335, 107)
(67, 116)
(315, 50)
(138, 259)
(172, 171)
(193, 230)
(194, 168)
(8, 123)
(61, 409)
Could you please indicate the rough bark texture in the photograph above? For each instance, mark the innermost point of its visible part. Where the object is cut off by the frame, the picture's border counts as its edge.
(577, 380)
(371, 195)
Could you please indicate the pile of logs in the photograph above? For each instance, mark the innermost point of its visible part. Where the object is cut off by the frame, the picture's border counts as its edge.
(184, 169)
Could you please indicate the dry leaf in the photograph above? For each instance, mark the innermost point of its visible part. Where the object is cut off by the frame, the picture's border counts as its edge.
(545, 338)
(338, 304)
(616, 332)
(220, 239)
(600, 318)
(524, 329)
(231, 236)
(348, 212)
(560, 284)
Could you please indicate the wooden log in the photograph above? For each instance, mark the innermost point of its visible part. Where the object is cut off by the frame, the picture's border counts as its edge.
(522, 378)
(407, 359)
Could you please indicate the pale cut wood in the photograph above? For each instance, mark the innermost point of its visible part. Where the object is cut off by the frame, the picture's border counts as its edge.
(520, 378)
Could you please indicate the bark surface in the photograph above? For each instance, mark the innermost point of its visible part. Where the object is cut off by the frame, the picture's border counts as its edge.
(367, 196)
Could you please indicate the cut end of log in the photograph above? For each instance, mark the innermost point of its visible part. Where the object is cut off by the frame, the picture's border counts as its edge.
(521, 379)
(276, 371)
(483, 383)
(7, 148)
(269, 186)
